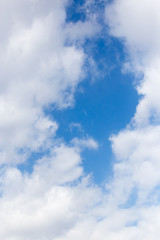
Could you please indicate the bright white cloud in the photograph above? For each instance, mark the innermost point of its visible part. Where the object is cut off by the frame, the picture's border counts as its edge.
(36, 69)
(137, 23)
(136, 172)
(43, 205)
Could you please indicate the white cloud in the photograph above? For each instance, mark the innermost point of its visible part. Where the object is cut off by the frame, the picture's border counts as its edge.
(82, 30)
(37, 69)
(136, 173)
(137, 23)
(74, 125)
(85, 143)
(43, 204)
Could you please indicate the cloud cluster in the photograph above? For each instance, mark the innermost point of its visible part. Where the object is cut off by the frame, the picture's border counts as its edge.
(41, 64)
(37, 69)
(137, 146)
(42, 204)
(136, 173)
(137, 24)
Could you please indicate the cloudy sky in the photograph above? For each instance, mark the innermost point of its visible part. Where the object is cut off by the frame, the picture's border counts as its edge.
(79, 119)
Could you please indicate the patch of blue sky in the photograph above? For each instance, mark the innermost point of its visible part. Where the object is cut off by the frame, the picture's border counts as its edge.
(105, 100)
(28, 165)
(132, 224)
(102, 107)
(132, 199)
(154, 118)
(79, 10)
(153, 198)
(74, 11)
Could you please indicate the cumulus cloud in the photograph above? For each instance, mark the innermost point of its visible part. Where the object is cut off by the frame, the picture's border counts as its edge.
(37, 69)
(44, 204)
(137, 24)
(40, 67)
(136, 173)
(139, 29)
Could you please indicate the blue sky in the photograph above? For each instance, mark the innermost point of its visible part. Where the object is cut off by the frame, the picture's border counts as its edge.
(79, 120)
(102, 106)
(105, 101)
